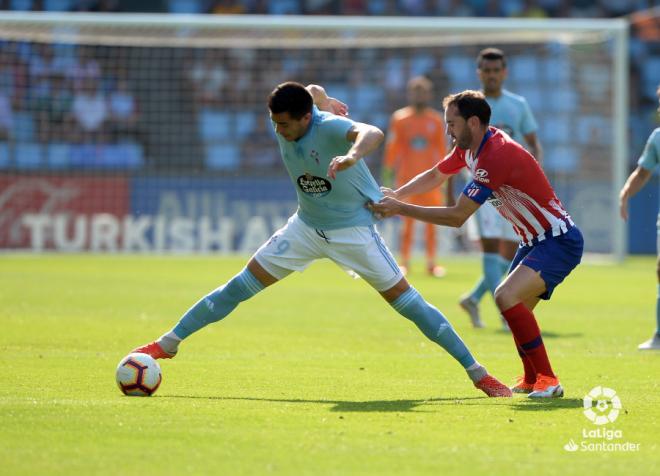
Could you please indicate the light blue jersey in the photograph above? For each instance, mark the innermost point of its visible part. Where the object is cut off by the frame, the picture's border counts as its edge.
(324, 203)
(650, 158)
(512, 114)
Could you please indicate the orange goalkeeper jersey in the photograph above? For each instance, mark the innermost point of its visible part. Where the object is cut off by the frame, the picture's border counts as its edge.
(415, 143)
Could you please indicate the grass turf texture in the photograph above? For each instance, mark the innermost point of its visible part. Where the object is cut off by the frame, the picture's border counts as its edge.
(316, 375)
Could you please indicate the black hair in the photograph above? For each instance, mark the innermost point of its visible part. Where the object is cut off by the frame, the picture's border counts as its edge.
(491, 54)
(469, 103)
(290, 97)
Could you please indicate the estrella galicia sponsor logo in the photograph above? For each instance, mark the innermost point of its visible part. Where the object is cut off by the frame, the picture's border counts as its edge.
(481, 175)
(314, 186)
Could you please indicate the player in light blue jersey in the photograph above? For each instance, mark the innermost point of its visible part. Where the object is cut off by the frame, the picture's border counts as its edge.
(649, 161)
(499, 242)
(323, 154)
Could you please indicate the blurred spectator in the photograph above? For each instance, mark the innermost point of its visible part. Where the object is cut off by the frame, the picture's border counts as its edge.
(226, 7)
(413, 7)
(87, 68)
(354, 7)
(208, 77)
(53, 110)
(322, 7)
(6, 116)
(124, 112)
(260, 150)
(531, 9)
(13, 75)
(101, 6)
(91, 111)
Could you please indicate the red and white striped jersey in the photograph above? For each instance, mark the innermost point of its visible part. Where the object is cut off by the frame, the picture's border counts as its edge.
(509, 177)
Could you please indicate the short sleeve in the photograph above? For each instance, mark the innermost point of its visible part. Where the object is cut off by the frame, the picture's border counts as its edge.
(528, 123)
(650, 157)
(337, 126)
(453, 162)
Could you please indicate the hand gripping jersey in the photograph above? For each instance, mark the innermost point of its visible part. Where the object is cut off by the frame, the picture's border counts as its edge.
(506, 175)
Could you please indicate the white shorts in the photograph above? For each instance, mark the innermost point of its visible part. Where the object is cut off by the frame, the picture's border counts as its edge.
(361, 249)
(490, 224)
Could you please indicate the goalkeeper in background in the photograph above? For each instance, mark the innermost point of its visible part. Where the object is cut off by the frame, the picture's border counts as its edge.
(499, 242)
(416, 141)
(649, 161)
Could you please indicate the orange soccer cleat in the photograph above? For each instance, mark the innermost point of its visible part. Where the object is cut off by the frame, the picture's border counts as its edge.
(522, 387)
(547, 387)
(493, 387)
(155, 350)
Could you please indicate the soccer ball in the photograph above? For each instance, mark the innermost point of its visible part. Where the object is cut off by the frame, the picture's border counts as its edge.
(138, 375)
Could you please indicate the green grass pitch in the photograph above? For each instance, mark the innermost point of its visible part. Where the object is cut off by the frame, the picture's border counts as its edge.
(316, 375)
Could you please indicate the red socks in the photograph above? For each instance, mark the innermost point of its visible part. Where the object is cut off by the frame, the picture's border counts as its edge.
(527, 335)
(530, 371)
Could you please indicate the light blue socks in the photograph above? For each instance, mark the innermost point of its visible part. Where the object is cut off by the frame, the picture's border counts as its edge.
(218, 304)
(495, 268)
(433, 324)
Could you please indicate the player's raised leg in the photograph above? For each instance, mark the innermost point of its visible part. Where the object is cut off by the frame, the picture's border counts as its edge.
(211, 308)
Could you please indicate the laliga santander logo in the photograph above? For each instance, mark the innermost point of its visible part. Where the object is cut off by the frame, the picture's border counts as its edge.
(606, 399)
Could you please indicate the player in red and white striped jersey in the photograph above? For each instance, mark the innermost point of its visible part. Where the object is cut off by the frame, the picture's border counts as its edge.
(519, 190)
(509, 177)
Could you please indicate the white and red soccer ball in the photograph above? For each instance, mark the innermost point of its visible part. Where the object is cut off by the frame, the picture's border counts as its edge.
(138, 375)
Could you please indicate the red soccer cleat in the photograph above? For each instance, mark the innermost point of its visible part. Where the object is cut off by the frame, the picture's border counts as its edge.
(155, 350)
(493, 387)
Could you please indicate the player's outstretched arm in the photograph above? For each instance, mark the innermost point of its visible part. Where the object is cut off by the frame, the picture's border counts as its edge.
(634, 184)
(448, 216)
(422, 183)
(366, 139)
(325, 102)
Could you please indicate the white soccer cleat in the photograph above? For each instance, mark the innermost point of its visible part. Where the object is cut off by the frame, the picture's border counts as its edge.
(471, 307)
(652, 344)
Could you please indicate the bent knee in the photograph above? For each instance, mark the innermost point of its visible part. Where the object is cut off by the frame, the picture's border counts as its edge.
(505, 298)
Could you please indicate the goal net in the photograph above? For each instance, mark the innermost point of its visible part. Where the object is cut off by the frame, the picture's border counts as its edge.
(150, 133)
